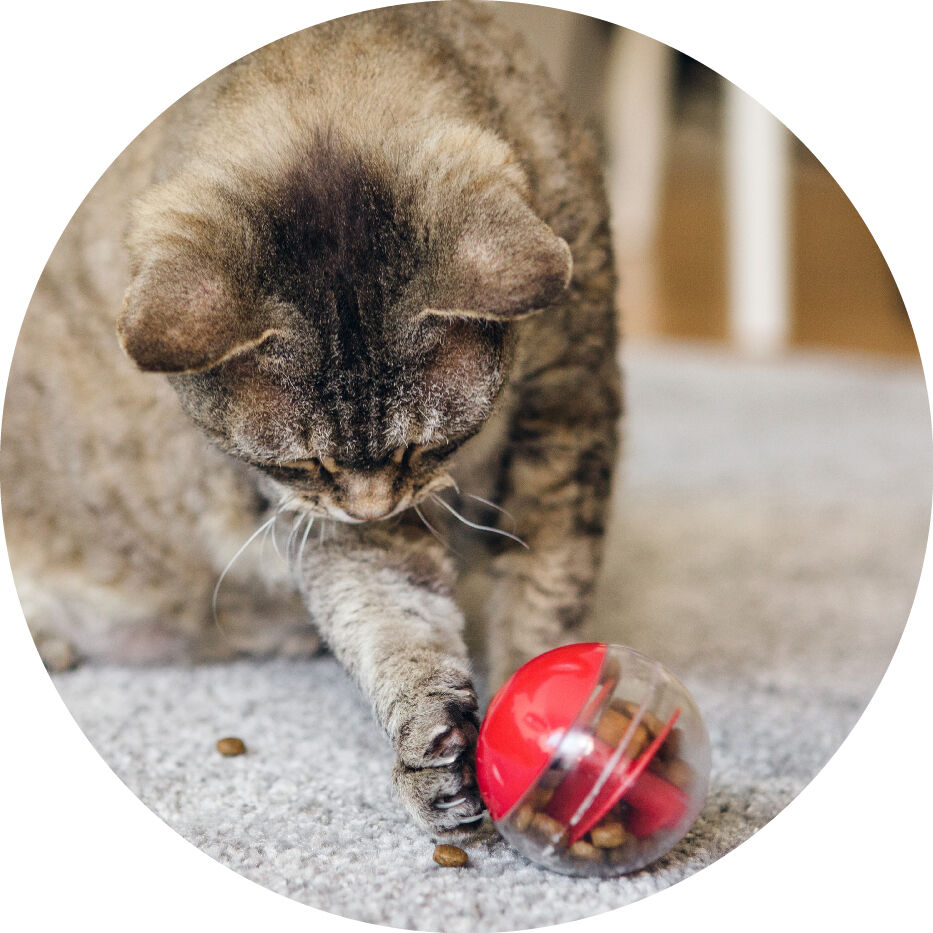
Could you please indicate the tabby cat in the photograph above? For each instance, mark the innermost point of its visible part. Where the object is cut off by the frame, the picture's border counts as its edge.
(370, 264)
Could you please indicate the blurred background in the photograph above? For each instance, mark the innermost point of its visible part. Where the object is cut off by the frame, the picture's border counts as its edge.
(727, 228)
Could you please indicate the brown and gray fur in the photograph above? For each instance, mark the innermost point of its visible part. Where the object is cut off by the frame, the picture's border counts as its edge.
(330, 254)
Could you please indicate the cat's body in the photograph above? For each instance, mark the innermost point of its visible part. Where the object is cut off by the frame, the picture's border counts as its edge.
(335, 246)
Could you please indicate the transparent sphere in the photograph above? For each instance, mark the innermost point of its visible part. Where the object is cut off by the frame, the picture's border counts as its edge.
(593, 760)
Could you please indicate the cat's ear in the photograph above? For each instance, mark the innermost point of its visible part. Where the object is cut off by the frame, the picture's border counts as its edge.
(176, 319)
(505, 262)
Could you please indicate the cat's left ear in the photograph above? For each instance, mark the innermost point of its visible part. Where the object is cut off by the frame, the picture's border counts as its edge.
(504, 262)
(180, 316)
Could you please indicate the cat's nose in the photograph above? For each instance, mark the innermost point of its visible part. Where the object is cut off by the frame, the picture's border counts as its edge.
(368, 514)
(368, 498)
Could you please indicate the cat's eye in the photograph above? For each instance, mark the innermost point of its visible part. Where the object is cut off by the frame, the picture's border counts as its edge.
(403, 456)
(312, 465)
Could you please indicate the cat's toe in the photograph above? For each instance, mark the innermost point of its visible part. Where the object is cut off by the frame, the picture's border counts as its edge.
(441, 725)
(435, 773)
(442, 800)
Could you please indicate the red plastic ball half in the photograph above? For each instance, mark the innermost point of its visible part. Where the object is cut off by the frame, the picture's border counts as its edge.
(528, 718)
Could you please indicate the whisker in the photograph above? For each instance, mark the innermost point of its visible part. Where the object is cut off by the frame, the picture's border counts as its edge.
(223, 574)
(492, 505)
(304, 540)
(293, 534)
(430, 527)
(275, 541)
(466, 521)
(284, 505)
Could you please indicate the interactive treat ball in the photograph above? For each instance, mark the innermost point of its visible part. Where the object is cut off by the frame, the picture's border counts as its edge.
(593, 760)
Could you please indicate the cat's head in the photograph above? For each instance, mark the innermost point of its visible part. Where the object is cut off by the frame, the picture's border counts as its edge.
(344, 325)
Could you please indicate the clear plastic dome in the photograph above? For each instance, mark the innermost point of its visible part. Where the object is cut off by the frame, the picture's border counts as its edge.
(628, 774)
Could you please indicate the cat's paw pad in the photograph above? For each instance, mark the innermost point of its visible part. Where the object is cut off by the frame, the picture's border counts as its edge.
(435, 772)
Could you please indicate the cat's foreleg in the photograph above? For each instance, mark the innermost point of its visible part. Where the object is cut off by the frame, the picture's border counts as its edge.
(384, 606)
(556, 487)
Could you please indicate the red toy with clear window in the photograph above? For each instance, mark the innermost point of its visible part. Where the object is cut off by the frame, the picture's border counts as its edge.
(593, 759)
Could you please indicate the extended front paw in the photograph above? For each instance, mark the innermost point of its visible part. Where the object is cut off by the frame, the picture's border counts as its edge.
(435, 772)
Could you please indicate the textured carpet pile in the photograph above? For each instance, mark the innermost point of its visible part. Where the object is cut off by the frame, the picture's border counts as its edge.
(768, 535)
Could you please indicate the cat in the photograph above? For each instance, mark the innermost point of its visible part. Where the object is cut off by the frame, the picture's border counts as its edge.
(368, 293)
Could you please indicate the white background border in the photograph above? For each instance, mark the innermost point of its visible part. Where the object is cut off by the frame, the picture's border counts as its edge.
(80, 80)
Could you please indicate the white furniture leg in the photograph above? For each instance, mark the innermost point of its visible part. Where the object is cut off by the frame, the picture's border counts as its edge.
(757, 195)
(637, 108)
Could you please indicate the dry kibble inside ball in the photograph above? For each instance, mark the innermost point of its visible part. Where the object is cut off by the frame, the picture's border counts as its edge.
(450, 856)
(231, 746)
(639, 742)
(679, 773)
(523, 817)
(549, 829)
(607, 835)
(671, 747)
(612, 728)
(632, 709)
(651, 722)
(583, 850)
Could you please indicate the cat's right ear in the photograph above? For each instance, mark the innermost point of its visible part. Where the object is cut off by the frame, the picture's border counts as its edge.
(504, 262)
(177, 319)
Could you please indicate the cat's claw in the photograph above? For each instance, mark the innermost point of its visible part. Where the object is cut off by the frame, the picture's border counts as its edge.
(473, 819)
(435, 772)
(427, 793)
(452, 803)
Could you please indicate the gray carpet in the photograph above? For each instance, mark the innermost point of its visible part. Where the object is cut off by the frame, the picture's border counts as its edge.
(771, 521)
